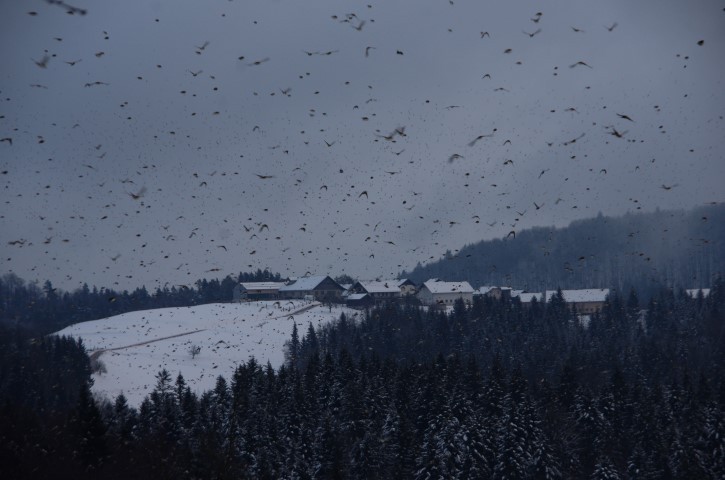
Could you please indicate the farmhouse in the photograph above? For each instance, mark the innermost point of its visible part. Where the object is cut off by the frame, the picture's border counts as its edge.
(407, 287)
(585, 301)
(359, 300)
(493, 292)
(320, 287)
(379, 291)
(527, 298)
(256, 291)
(435, 292)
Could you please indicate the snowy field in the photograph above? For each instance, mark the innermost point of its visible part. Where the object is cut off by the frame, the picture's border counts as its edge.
(228, 334)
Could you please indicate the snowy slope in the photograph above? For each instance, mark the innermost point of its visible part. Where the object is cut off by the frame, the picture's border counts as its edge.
(228, 334)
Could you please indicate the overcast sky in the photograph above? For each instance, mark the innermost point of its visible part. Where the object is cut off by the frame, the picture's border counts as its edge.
(185, 104)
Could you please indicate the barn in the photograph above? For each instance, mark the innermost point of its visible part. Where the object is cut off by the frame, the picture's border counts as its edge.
(319, 287)
(257, 291)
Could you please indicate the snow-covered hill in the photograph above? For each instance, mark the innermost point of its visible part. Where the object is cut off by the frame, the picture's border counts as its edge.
(135, 346)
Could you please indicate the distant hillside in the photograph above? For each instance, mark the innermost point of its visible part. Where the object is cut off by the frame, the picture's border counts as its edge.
(646, 250)
(135, 346)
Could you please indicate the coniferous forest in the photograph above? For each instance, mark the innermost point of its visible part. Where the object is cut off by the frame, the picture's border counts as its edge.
(647, 251)
(491, 390)
(47, 309)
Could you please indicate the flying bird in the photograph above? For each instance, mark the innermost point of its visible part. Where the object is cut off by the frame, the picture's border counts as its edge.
(573, 140)
(138, 194)
(259, 62)
(43, 62)
(69, 9)
(625, 117)
(367, 50)
(531, 35)
(264, 177)
(473, 142)
(580, 63)
(612, 27)
(617, 133)
(454, 157)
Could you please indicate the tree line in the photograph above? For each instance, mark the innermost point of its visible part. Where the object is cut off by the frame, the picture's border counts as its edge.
(47, 309)
(490, 390)
(646, 251)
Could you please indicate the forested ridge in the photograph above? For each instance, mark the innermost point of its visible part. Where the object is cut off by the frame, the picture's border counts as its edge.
(47, 309)
(680, 249)
(491, 390)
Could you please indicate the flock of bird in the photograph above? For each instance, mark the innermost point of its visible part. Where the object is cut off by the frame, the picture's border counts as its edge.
(298, 175)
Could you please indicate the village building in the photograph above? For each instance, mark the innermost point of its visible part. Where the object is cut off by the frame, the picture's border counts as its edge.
(319, 287)
(407, 287)
(359, 300)
(435, 292)
(526, 298)
(379, 291)
(493, 292)
(256, 291)
(585, 301)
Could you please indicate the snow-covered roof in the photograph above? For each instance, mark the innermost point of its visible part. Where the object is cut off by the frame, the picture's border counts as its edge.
(304, 283)
(483, 290)
(694, 292)
(529, 297)
(383, 286)
(262, 285)
(486, 289)
(448, 287)
(579, 296)
(357, 296)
